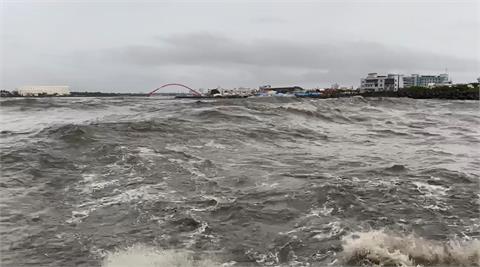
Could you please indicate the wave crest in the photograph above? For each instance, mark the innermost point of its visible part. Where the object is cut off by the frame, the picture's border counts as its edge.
(387, 249)
(144, 256)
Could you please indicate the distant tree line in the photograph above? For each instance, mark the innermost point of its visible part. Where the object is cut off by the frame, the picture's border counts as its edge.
(457, 91)
(98, 94)
(5, 93)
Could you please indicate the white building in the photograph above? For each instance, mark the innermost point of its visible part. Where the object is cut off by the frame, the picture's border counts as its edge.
(35, 90)
(426, 80)
(374, 82)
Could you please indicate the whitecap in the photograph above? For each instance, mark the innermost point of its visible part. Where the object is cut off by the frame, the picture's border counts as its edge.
(144, 256)
(431, 190)
(388, 249)
(214, 145)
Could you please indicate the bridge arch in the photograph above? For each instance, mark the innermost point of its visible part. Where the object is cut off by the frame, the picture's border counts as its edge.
(174, 84)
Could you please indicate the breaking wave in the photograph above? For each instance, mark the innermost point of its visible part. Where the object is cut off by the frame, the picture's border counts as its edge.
(372, 248)
(144, 256)
(381, 248)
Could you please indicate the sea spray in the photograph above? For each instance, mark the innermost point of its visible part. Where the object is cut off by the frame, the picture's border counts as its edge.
(145, 256)
(384, 248)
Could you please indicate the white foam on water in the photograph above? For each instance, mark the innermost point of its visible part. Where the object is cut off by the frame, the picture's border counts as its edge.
(317, 212)
(144, 256)
(264, 259)
(266, 186)
(200, 232)
(88, 177)
(308, 107)
(217, 199)
(189, 166)
(295, 230)
(380, 248)
(177, 148)
(215, 145)
(436, 207)
(148, 154)
(142, 193)
(146, 151)
(332, 229)
(91, 183)
(430, 190)
(77, 216)
(179, 161)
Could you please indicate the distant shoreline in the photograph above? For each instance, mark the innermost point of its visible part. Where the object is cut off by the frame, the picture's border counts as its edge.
(455, 92)
(80, 94)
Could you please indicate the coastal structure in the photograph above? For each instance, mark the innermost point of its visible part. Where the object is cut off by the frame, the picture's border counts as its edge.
(281, 90)
(426, 80)
(35, 90)
(193, 91)
(375, 83)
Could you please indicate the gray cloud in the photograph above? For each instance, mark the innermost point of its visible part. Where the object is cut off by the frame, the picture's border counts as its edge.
(108, 45)
(277, 59)
(269, 20)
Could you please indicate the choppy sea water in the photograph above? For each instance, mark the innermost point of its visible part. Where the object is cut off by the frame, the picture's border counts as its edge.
(240, 182)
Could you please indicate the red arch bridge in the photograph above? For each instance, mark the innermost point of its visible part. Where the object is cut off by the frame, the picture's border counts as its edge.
(194, 92)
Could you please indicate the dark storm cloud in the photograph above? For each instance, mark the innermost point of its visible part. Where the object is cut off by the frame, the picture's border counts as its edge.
(340, 61)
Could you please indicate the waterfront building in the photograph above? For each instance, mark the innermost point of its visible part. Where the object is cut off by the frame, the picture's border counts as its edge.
(375, 83)
(282, 90)
(34, 90)
(426, 80)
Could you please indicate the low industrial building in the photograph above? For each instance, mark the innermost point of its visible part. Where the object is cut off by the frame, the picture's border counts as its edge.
(375, 83)
(43, 90)
(426, 80)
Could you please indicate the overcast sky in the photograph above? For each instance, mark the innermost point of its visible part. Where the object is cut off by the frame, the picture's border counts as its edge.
(137, 46)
